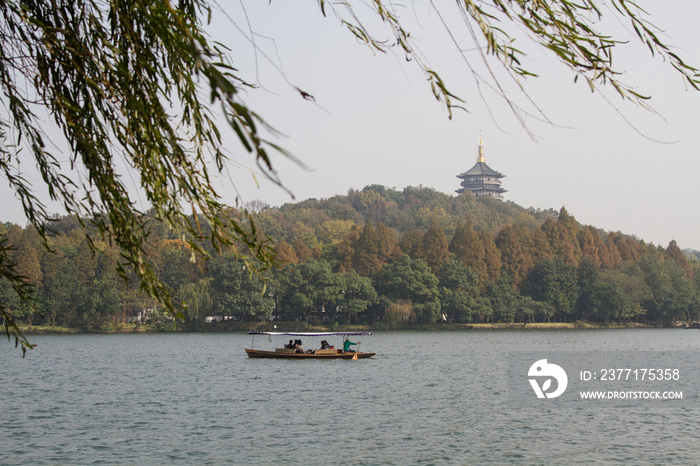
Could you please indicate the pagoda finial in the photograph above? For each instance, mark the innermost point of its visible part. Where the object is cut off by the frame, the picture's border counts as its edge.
(481, 150)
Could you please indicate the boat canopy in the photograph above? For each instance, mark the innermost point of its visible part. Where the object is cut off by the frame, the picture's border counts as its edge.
(310, 334)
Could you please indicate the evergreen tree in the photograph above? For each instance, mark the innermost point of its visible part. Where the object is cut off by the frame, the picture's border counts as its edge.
(504, 298)
(51, 271)
(236, 292)
(554, 282)
(357, 294)
(459, 287)
(411, 281)
(588, 274)
(307, 288)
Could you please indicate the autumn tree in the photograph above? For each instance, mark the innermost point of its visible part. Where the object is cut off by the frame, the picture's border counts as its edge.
(347, 248)
(366, 259)
(592, 247)
(674, 253)
(435, 247)
(286, 254)
(27, 259)
(468, 248)
(388, 244)
(492, 257)
(412, 243)
(302, 251)
(541, 250)
(514, 259)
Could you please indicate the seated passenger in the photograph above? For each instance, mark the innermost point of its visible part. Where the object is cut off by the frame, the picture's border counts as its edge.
(324, 344)
(299, 347)
(290, 345)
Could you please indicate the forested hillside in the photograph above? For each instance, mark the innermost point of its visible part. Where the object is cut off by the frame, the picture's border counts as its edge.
(377, 256)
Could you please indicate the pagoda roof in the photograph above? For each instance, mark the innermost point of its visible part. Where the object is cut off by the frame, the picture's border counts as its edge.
(493, 189)
(481, 169)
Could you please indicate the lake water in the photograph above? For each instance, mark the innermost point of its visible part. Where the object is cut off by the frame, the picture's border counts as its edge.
(426, 398)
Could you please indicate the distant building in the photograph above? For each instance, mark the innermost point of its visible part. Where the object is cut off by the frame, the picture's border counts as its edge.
(481, 180)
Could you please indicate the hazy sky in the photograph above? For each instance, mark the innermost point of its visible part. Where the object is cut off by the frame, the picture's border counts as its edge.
(375, 120)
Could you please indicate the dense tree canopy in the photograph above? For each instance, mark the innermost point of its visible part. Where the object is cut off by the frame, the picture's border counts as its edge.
(332, 285)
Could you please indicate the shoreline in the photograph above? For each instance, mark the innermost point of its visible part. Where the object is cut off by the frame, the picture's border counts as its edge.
(302, 327)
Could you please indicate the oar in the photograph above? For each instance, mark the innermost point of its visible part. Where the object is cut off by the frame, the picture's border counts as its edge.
(358, 350)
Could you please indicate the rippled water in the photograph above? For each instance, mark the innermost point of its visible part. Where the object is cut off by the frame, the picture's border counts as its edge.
(426, 398)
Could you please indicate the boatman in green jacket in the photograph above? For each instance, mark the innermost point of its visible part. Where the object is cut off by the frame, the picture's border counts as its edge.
(346, 345)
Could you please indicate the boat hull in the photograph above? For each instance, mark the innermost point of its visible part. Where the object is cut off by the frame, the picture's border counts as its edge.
(280, 355)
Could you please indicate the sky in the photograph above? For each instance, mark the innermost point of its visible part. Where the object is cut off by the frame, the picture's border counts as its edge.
(612, 164)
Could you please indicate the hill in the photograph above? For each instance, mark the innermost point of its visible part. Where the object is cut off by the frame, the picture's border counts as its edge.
(378, 256)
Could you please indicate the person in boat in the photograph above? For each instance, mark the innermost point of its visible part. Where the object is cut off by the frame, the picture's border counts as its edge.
(299, 347)
(347, 344)
(291, 345)
(324, 344)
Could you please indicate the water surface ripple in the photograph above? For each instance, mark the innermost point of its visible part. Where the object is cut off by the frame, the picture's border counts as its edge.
(426, 398)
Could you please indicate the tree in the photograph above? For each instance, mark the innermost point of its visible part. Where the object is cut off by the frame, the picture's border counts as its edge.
(388, 243)
(236, 292)
(588, 275)
(675, 253)
(286, 254)
(504, 298)
(366, 259)
(515, 261)
(553, 282)
(307, 288)
(608, 301)
(412, 243)
(27, 259)
(459, 287)
(492, 257)
(435, 245)
(107, 74)
(302, 251)
(467, 247)
(410, 280)
(347, 248)
(357, 294)
(196, 298)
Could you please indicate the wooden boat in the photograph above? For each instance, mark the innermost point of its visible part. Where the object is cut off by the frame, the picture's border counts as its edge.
(285, 353)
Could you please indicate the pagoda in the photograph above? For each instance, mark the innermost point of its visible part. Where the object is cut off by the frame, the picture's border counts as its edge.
(481, 180)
